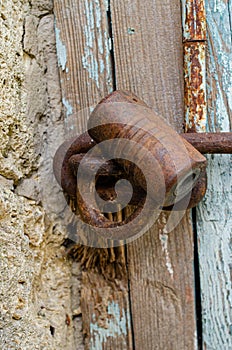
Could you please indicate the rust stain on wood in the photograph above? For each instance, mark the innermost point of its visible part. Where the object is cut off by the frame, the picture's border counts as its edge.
(194, 22)
(195, 86)
(189, 294)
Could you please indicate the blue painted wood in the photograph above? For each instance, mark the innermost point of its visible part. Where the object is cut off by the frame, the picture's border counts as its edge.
(116, 325)
(149, 61)
(214, 214)
(84, 57)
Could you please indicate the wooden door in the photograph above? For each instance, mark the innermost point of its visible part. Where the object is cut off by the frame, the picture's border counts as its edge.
(213, 215)
(145, 297)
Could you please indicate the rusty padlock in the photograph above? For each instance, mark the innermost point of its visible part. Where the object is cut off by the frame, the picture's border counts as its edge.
(121, 115)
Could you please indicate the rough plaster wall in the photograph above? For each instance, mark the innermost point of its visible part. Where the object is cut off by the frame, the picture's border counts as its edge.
(35, 293)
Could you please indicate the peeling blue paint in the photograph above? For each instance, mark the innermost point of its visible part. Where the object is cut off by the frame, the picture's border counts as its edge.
(214, 212)
(96, 58)
(61, 49)
(69, 108)
(220, 61)
(107, 4)
(219, 6)
(102, 66)
(117, 323)
(130, 31)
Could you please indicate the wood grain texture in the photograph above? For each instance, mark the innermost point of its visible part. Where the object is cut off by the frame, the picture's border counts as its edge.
(106, 310)
(219, 65)
(161, 284)
(214, 227)
(214, 220)
(148, 54)
(148, 61)
(84, 56)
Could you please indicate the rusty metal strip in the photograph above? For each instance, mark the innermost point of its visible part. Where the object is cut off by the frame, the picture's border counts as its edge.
(193, 20)
(195, 86)
(194, 42)
(210, 142)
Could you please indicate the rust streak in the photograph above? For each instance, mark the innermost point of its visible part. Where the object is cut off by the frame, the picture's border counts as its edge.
(195, 86)
(194, 20)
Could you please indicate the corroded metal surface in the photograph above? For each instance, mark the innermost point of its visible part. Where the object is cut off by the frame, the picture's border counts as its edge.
(61, 167)
(194, 20)
(194, 38)
(198, 192)
(195, 86)
(176, 163)
(211, 142)
(162, 153)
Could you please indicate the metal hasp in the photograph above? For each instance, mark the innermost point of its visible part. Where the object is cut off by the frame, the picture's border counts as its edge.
(211, 142)
(174, 160)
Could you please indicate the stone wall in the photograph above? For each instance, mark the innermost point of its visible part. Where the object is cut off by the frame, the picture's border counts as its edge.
(35, 293)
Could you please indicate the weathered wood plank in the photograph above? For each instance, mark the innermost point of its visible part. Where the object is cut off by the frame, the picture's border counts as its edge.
(106, 310)
(214, 220)
(214, 229)
(219, 65)
(84, 56)
(145, 35)
(148, 61)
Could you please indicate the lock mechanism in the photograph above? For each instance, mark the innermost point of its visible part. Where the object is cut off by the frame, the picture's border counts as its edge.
(128, 143)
